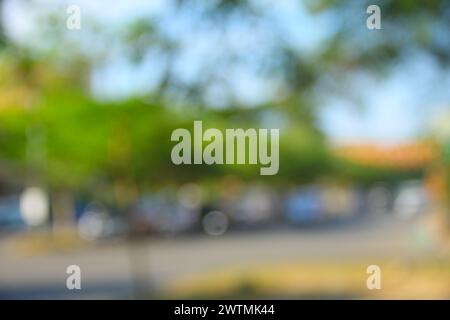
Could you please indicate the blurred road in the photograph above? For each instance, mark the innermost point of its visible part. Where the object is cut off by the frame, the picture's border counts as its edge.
(106, 268)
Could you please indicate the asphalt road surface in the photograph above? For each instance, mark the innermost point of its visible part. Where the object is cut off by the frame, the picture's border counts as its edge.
(107, 268)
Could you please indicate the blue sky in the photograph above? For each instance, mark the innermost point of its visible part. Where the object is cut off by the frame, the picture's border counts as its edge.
(396, 109)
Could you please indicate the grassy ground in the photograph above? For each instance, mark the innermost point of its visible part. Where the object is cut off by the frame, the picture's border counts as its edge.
(44, 242)
(399, 280)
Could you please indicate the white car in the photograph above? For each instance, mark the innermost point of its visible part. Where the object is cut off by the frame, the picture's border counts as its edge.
(411, 200)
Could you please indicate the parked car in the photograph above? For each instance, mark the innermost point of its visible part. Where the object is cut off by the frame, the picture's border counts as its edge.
(98, 223)
(339, 202)
(166, 213)
(304, 205)
(256, 206)
(10, 217)
(411, 200)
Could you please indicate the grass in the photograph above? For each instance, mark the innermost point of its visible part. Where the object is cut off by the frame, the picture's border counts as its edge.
(399, 280)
